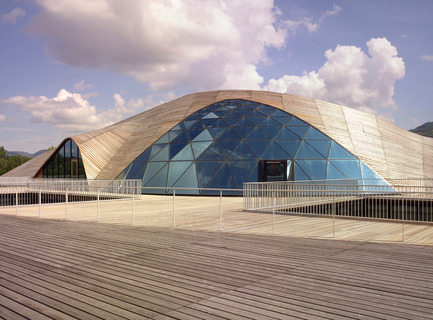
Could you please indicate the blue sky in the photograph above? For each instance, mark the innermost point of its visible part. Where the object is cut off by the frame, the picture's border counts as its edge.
(69, 67)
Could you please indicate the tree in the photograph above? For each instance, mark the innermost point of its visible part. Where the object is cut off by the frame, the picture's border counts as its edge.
(8, 163)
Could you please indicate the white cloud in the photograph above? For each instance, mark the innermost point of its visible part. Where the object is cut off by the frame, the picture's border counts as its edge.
(12, 16)
(82, 85)
(307, 22)
(428, 57)
(2, 118)
(200, 45)
(72, 113)
(350, 77)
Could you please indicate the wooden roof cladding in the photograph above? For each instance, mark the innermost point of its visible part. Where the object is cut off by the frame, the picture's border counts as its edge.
(389, 150)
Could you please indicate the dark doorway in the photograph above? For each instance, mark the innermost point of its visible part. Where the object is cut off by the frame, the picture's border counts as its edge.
(275, 170)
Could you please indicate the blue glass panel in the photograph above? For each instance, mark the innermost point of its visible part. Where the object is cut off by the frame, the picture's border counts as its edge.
(206, 170)
(280, 113)
(229, 134)
(204, 136)
(258, 146)
(243, 131)
(144, 156)
(184, 154)
(151, 170)
(313, 133)
(286, 134)
(271, 131)
(257, 134)
(232, 114)
(199, 147)
(370, 177)
(254, 176)
(220, 123)
(221, 113)
(173, 134)
(306, 151)
(350, 168)
(300, 175)
(163, 139)
(262, 107)
(222, 179)
(243, 123)
(216, 132)
(256, 113)
(175, 148)
(267, 111)
(180, 126)
(338, 152)
(315, 169)
(188, 180)
(290, 146)
(300, 131)
(191, 118)
(274, 152)
(159, 180)
(211, 153)
(155, 149)
(231, 121)
(257, 120)
(181, 137)
(241, 171)
(189, 123)
(197, 125)
(175, 170)
(210, 115)
(283, 120)
(162, 155)
(194, 133)
(334, 174)
(221, 109)
(296, 122)
(242, 152)
(320, 145)
(208, 122)
(227, 147)
(269, 122)
(136, 171)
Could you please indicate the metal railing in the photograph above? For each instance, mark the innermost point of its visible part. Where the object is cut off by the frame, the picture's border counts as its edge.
(403, 199)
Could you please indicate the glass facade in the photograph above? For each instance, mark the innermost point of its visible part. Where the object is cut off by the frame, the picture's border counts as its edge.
(66, 163)
(236, 141)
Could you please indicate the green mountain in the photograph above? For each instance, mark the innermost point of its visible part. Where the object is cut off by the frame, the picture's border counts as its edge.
(425, 129)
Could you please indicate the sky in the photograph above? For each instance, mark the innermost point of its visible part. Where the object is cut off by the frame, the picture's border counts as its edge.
(69, 67)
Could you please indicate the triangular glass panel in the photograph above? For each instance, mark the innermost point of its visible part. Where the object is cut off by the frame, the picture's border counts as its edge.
(227, 147)
(338, 152)
(232, 114)
(144, 156)
(187, 180)
(241, 170)
(229, 134)
(242, 152)
(265, 107)
(280, 113)
(175, 170)
(300, 175)
(370, 177)
(283, 120)
(300, 131)
(350, 168)
(258, 146)
(243, 131)
(286, 134)
(220, 123)
(184, 154)
(223, 179)
(290, 146)
(256, 113)
(313, 133)
(221, 113)
(204, 136)
(194, 133)
(257, 134)
(199, 147)
(216, 132)
(267, 111)
(197, 125)
(176, 147)
(192, 117)
(181, 137)
(156, 148)
(254, 176)
(271, 131)
(231, 121)
(206, 171)
(189, 123)
(208, 122)
(306, 151)
(163, 155)
(136, 171)
(210, 115)
(320, 145)
(211, 153)
(334, 174)
(257, 120)
(163, 139)
(151, 170)
(173, 134)
(179, 126)
(221, 108)
(243, 123)
(269, 122)
(315, 169)
(274, 152)
(297, 122)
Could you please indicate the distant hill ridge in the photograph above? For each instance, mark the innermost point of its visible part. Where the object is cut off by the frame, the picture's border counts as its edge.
(425, 129)
(24, 154)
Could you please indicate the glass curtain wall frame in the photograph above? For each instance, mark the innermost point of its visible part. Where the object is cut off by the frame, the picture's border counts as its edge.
(223, 144)
(66, 163)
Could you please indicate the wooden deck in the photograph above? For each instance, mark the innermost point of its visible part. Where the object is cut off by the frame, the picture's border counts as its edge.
(54, 269)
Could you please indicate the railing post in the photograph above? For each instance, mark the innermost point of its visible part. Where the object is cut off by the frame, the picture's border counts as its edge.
(40, 201)
(273, 213)
(221, 210)
(66, 203)
(174, 208)
(97, 204)
(16, 200)
(133, 192)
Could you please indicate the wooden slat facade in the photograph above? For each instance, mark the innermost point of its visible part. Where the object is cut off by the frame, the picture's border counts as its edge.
(389, 150)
